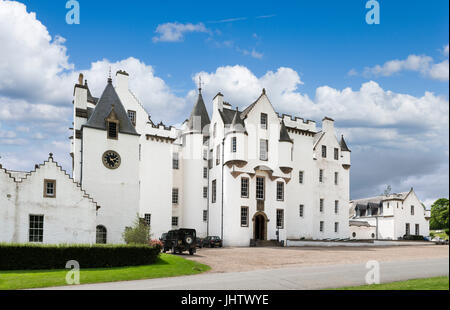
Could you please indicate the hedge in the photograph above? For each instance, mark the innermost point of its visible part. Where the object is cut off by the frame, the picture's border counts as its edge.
(413, 237)
(38, 256)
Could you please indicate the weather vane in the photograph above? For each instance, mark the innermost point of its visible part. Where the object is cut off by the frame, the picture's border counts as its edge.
(200, 84)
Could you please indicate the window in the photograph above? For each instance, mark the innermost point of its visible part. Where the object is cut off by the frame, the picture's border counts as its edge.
(50, 188)
(407, 229)
(302, 210)
(263, 149)
(213, 189)
(417, 231)
(205, 192)
(244, 187)
(321, 226)
(321, 176)
(205, 172)
(260, 188)
(336, 153)
(336, 178)
(336, 206)
(324, 151)
(412, 210)
(354, 235)
(244, 216)
(36, 229)
(175, 161)
(321, 205)
(113, 128)
(218, 155)
(205, 154)
(174, 220)
(336, 227)
(263, 121)
(101, 234)
(175, 195)
(280, 218)
(132, 117)
(233, 145)
(211, 158)
(215, 130)
(280, 191)
(148, 219)
(205, 215)
(301, 175)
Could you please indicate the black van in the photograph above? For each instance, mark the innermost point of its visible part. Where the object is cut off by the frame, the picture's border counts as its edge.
(180, 240)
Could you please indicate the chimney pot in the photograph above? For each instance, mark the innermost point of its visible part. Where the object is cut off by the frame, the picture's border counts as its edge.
(80, 79)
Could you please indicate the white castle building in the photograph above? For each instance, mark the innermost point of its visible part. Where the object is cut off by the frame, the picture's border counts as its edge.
(240, 175)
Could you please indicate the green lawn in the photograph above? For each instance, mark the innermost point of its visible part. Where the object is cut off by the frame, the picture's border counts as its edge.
(166, 266)
(438, 283)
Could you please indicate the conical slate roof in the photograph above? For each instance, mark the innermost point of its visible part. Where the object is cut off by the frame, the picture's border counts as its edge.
(103, 109)
(237, 124)
(344, 146)
(284, 135)
(199, 111)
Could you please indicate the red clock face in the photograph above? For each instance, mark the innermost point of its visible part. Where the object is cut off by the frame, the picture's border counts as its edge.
(111, 159)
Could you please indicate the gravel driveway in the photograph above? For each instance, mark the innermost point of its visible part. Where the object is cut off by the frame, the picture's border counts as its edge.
(246, 259)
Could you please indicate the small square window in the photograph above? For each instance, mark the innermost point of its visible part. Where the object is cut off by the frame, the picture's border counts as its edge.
(280, 219)
(280, 191)
(263, 121)
(322, 226)
(205, 192)
(50, 188)
(244, 187)
(301, 176)
(324, 151)
(234, 145)
(336, 153)
(321, 176)
(336, 227)
(302, 210)
(336, 178)
(321, 205)
(175, 195)
(244, 216)
(175, 161)
(175, 221)
(205, 215)
(132, 117)
(113, 129)
(205, 172)
(148, 219)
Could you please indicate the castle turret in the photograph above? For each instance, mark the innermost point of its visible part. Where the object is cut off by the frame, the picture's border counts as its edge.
(285, 149)
(236, 140)
(345, 153)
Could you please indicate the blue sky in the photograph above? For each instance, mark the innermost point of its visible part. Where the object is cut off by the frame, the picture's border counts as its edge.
(314, 57)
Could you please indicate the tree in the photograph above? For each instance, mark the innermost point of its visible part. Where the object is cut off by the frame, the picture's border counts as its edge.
(138, 234)
(439, 214)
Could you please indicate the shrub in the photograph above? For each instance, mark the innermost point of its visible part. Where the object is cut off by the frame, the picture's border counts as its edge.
(432, 234)
(156, 243)
(413, 237)
(446, 231)
(38, 256)
(138, 234)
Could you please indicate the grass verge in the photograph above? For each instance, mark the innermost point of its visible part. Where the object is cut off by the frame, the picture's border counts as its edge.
(166, 266)
(437, 283)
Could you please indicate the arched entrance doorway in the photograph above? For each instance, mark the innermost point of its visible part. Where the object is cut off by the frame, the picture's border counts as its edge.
(260, 226)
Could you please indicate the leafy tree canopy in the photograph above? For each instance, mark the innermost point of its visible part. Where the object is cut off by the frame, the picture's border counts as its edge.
(138, 234)
(439, 214)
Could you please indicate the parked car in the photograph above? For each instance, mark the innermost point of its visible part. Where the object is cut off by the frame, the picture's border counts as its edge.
(212, 242)
(180, 240)
(163, 236)
(199, 242)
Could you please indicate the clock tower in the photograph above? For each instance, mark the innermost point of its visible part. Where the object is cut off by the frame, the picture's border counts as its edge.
(109, 162)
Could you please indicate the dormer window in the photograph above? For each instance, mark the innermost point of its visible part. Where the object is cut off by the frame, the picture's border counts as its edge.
(263, 121)
(132, 117)
(113, 130)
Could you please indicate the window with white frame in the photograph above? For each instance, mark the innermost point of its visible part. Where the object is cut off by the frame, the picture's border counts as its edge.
(205, 192)
(148, 219)
(321, 226)
(263, 149)
(280, 218)
(324, 151)
(205, 215)
(321, 203)
(336, 206)
(213, 190)
(132, 117)
(218, 155)
(244, 216)
(301, 175)
(215, 130)
(174, 220)
(49, 188)
(407, 229)
(412, 210)
(113, 130)
(417, 231)
(175, 161)
(260, 188)
(36, 228)
(301, 210)
(101, 234)
(263, 121)
(336, 227)
(244, 187)
(321, 175)
(336, 178)
(336, 154)
(233, 145)
(280, 191)
(205, 172)
(175, 195)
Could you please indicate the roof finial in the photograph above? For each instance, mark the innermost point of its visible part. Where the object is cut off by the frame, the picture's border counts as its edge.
(200, 84)
(264, 91)
(109, 75)
(50, 156)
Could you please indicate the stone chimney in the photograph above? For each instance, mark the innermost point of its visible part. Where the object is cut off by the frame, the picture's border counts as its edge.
(80, 79)
(122, 78)
(218, 102)
(328, 124)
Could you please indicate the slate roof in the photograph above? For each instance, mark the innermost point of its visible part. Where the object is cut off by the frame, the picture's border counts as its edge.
(103, 109)
(228, 116)
(237, 123)
(378, 199)
(344, 146)
(199, 110)
(284, 135)
(359, 223)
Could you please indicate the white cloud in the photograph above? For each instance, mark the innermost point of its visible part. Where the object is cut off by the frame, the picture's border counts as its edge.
(174, 32)
(418, 63)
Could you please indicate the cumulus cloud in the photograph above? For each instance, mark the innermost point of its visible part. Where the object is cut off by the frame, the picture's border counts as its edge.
(418, 63)
(174, 32)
